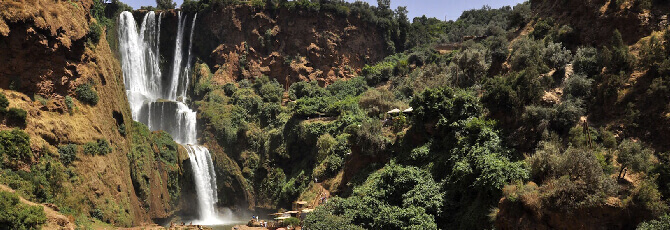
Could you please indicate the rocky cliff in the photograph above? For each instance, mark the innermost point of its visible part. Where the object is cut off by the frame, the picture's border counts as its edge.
(241, 42)
(48, 51)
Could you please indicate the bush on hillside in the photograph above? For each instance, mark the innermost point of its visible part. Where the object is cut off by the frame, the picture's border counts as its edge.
(408, 197)
(87, 94)
(99, 147)
(16, 215)
(586, 62)
(270, 90)
(352, 87)
(557, 56)
(377, 102)
(302, 89)
(95, 32)
(15, 147)
(16, 116)
(68, 153)
(577, 87)
(617, 58)
(634, 156)
(3, 101)
(570, 179)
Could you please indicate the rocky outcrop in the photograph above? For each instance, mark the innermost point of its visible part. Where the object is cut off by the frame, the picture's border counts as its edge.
(241, 42)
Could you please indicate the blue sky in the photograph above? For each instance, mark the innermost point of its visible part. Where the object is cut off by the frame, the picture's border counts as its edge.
(451, 9)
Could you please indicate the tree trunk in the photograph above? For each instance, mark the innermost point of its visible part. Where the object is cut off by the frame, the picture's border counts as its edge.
(621, 173)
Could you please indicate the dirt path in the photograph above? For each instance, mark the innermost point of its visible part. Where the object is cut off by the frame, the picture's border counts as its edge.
(323, 193)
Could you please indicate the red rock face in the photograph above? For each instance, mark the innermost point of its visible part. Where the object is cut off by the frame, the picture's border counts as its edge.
(240, 42)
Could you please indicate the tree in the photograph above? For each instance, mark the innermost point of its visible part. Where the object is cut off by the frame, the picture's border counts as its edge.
(470, 66)
(395, 197)
(633, 155)
(617, 57)
(165, 4)
(586, 62)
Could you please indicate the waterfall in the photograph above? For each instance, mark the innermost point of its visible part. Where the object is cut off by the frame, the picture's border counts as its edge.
(159, 103)
(176, 63)
(201, 161)
(187, 70)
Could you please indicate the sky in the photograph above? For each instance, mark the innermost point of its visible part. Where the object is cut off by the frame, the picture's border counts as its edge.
(441, 9)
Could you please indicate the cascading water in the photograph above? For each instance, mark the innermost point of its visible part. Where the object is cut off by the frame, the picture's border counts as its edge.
(160, 104)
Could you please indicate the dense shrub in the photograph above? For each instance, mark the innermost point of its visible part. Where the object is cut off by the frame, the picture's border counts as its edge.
(292, 222)
(302, 89)
(69, 103)
(652, 53)
(16, 116)
(99, 147)
(578, 86)
(567, 115)
(351, 87)
(3, 101)
(325, 217)
(15, 215)
(570, 179)
(557, 56)
(586, 62)
(166, 147)
(67, 153)
(634, 156)
(87, 94)
(377, 102)
(507, 95)
(470, 66)
(95, 32)
(617, 57)
(408, 197)
(269, 90)
(528, 53)
(661, 223)
(647, 196)
(370, 139)
(15, 147)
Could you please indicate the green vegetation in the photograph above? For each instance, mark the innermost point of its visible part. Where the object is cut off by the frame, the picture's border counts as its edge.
(479, 130)
(165, 4)
(87, 94)
(15, 215)
(549, 124)
(67, 153)
(3, 102)
(106, 15)
(15, 148)
(100, 147)
(150, 150)
(661, 223)
(16, 116)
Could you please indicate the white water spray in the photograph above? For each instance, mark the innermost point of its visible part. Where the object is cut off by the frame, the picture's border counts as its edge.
(156, 102)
